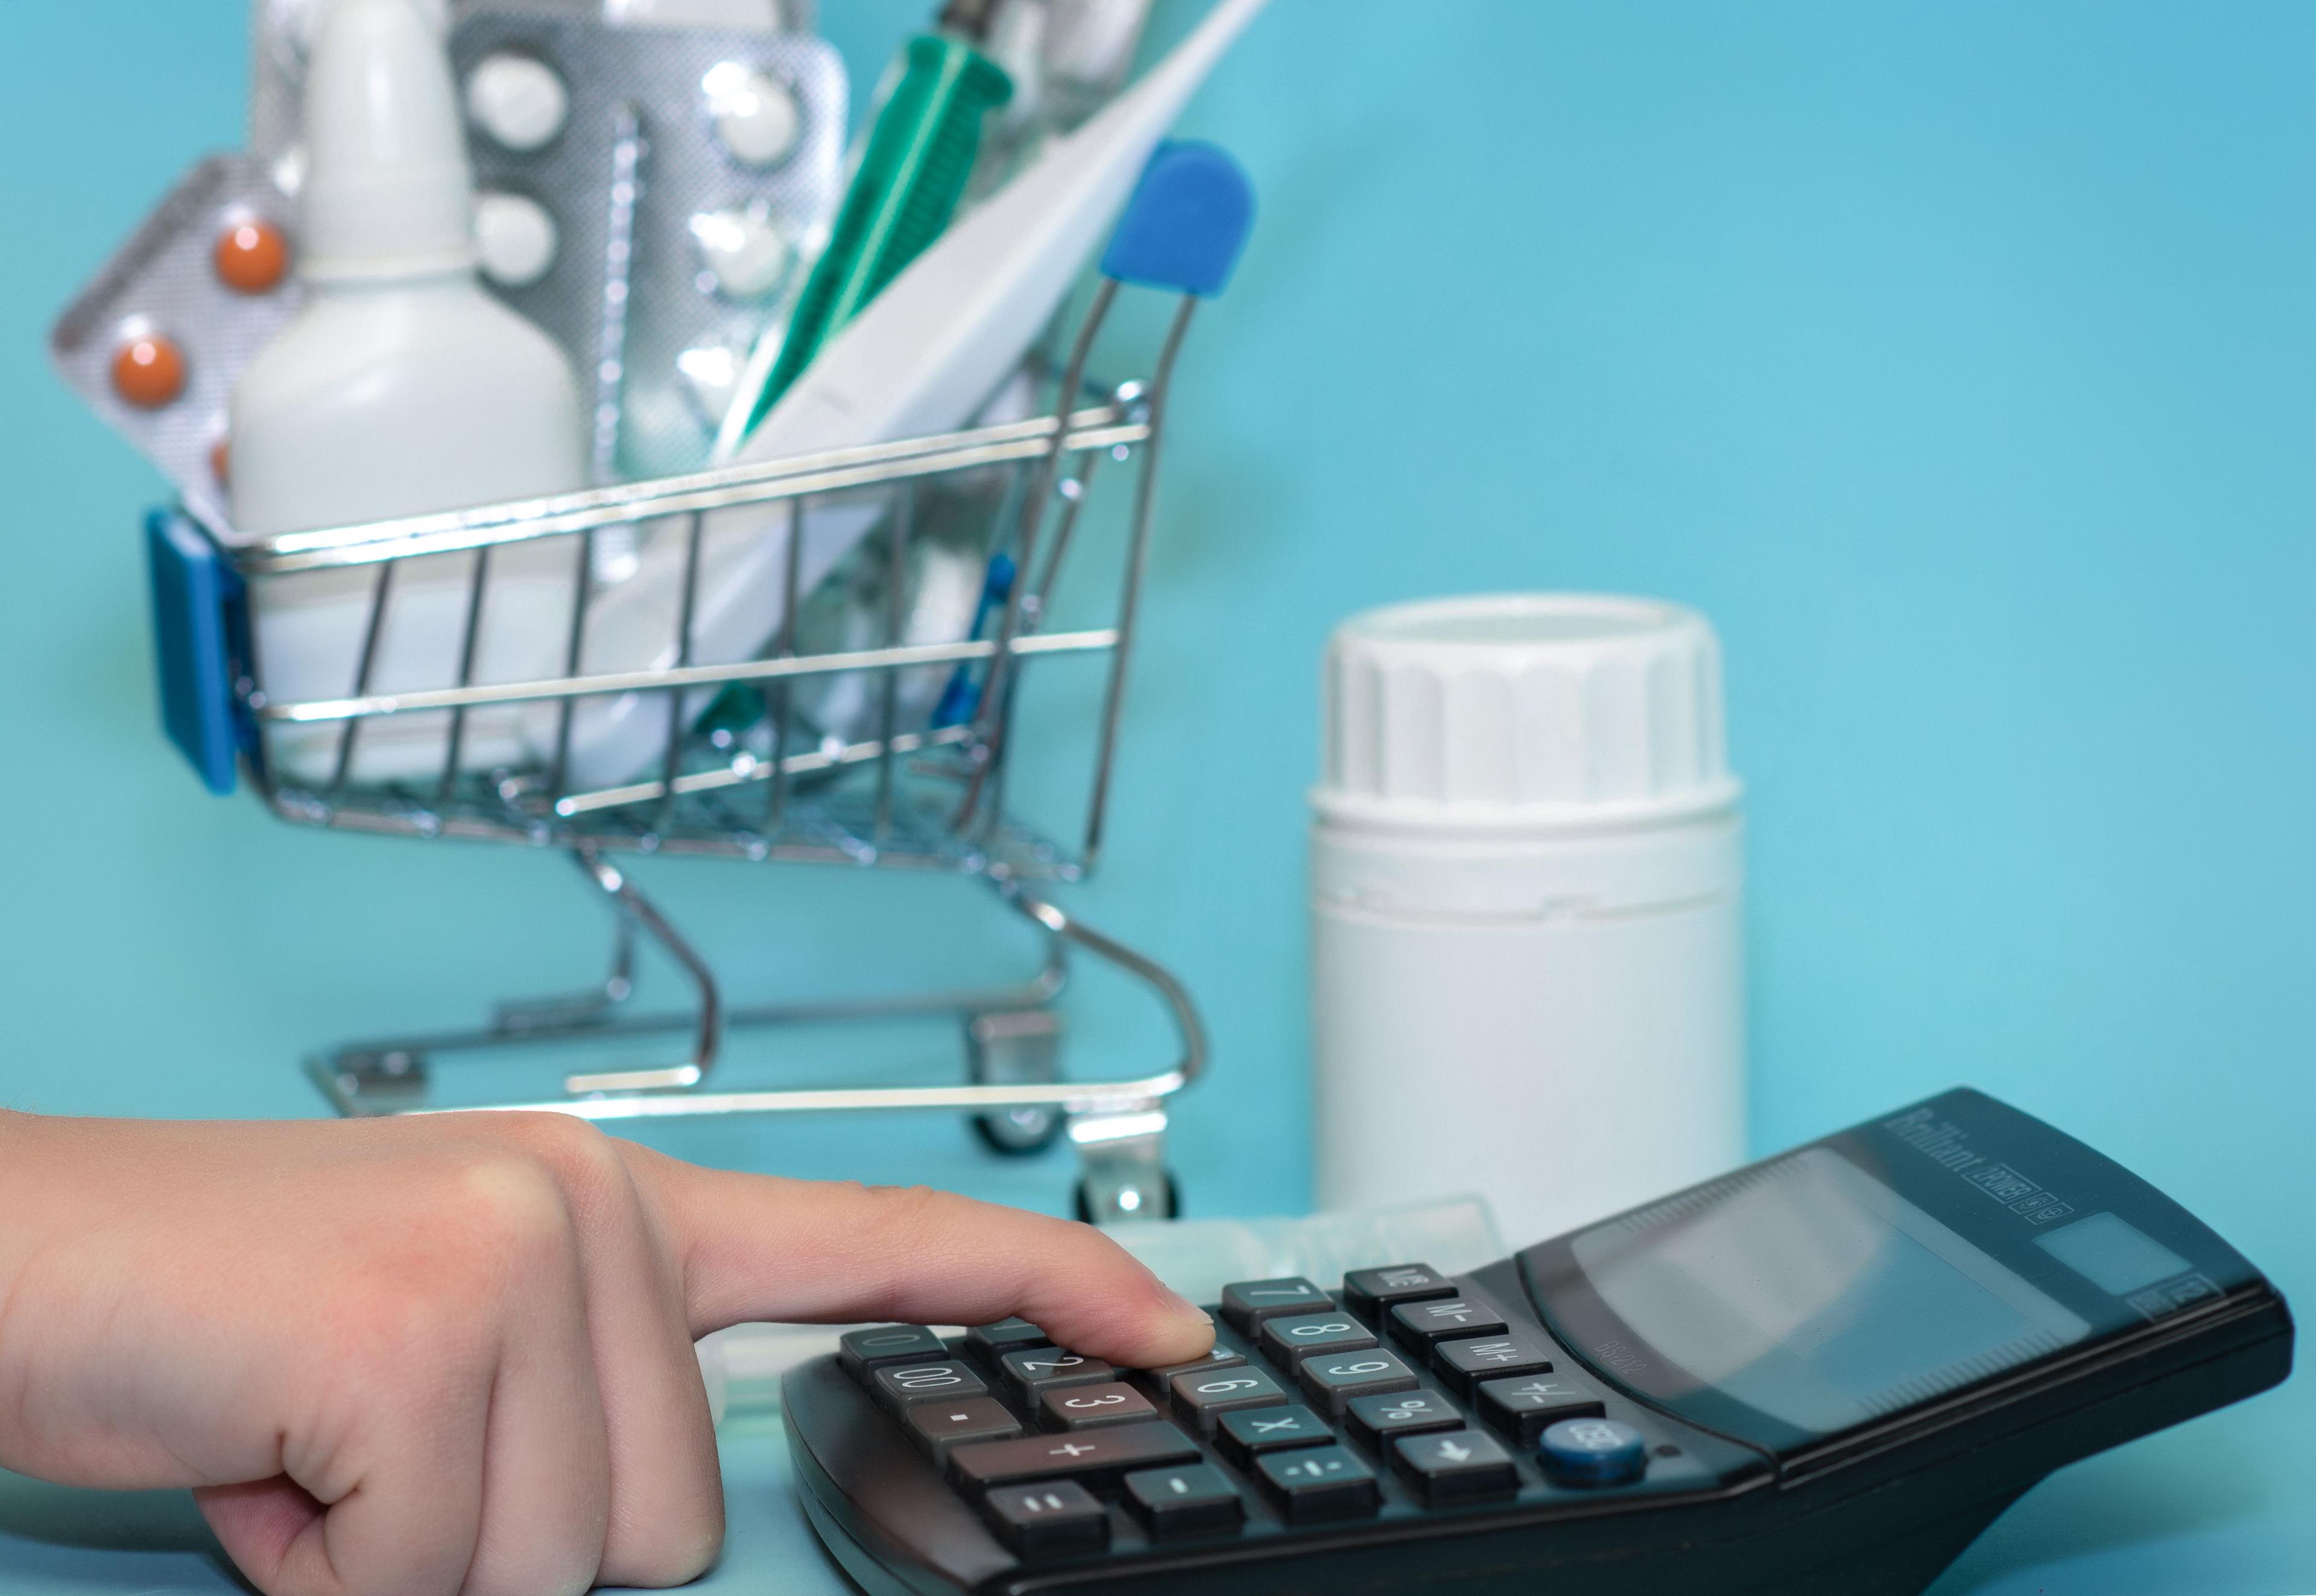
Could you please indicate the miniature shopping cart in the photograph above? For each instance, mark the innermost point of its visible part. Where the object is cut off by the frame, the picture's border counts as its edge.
(818, 747)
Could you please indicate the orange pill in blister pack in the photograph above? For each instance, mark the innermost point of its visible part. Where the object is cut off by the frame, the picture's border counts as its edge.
(148, 371)
(251, 256)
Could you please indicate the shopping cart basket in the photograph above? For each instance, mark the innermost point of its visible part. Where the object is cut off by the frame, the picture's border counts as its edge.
(816, 748)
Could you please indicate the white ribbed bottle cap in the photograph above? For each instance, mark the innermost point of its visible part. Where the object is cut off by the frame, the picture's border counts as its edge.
(1524, 711)
(388, 191)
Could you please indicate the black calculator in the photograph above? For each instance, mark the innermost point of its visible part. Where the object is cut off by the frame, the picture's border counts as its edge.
(1823, 1375)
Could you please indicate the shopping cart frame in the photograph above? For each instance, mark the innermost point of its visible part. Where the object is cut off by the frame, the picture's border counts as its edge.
(1014, 1090)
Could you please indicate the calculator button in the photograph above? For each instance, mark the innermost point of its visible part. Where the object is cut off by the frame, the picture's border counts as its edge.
(1051, 1520)
(1193, 1501)
(1086, 1454)
(1203, 1398)
(860, 1351)
(1593, 1452)
(1251, 1431)
(1372, 1292)
(1222, 1357)
(989, 1342)
(1334, 1380)
(1032, 1373)
(936, 1426)
(1321, 1483)
(1526, 1407)
(1377, 1419)
(1250, 1302)
(1464, 1362)
(1287, 1341)
(899, 1385)
(1455, 1468)
(1087, 1407)
(1419, 1323)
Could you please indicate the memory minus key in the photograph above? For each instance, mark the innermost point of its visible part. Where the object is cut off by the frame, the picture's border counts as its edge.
(1080, 1455)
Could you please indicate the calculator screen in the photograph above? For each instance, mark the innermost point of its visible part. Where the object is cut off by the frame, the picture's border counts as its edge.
(1808, 1291)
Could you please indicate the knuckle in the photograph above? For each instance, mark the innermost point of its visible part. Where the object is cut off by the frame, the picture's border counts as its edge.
(505, 1220)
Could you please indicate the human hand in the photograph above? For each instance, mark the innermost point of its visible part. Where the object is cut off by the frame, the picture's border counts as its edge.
(453, 1354)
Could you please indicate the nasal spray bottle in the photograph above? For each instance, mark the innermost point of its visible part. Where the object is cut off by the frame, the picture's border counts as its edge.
(400, 388)
(1527, 938)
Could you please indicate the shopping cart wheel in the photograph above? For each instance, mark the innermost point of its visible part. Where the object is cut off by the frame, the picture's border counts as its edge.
(1011, 1048)
(1019, 1133)
(1169, 1205)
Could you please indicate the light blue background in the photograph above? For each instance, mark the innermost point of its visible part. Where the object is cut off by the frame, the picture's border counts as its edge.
(1956, 358)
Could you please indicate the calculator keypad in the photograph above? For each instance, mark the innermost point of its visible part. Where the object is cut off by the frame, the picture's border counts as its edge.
(1311, 1413)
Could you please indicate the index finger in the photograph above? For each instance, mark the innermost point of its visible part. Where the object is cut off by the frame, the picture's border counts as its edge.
(757, 1247)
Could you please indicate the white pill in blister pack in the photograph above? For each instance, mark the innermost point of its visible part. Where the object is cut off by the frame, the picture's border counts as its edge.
(746, 255)
(517, 100)
(515, 238)
(754, 114)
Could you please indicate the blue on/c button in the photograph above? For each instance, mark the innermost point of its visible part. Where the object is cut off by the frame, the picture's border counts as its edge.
(1593, 1452)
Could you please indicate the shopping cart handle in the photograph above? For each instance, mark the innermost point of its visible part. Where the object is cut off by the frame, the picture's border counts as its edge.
(196, 598)
(1187, 224)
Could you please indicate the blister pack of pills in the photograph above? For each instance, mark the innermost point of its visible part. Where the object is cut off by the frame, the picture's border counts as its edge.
(650, 196)
(156, 343)
(282, 34)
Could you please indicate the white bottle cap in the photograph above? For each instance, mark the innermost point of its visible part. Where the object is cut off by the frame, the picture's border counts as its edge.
(1526, 711)
(388, 190)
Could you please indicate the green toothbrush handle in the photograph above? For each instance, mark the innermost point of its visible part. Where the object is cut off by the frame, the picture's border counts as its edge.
(912, 175)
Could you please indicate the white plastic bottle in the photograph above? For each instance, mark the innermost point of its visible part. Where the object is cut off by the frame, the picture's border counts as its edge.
(401, 388)
(1526, 945)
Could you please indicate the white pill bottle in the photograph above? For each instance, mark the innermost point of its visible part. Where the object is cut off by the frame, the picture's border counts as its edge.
(1527, 950)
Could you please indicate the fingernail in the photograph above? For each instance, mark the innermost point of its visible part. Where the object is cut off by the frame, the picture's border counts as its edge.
(1189, 1309)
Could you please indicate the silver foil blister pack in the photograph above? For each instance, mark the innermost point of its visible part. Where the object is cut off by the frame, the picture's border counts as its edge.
(202, 286)
(651, 197)
(282, 35)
